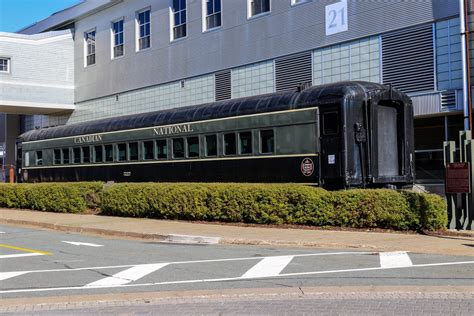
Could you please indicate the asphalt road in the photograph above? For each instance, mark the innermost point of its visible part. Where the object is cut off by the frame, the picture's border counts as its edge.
(39, 264)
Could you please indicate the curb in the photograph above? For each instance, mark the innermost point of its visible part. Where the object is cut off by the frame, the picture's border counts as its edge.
(162, 238)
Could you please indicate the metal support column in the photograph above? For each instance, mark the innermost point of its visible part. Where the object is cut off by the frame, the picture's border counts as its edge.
(453, 216)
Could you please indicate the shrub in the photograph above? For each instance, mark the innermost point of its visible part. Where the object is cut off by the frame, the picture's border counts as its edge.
(245, 203)
(53, 197)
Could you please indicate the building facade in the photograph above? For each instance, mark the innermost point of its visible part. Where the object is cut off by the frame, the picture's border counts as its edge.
(119, 57)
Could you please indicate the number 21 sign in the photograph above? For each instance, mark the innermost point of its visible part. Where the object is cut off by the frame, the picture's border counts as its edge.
(336, 17)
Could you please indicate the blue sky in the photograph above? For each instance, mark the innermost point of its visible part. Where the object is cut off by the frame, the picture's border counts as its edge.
(16, 14)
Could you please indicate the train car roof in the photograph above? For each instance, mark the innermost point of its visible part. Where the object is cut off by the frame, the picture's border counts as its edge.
(272, 102)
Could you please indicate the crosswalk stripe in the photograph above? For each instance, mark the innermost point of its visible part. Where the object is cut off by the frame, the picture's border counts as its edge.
(8, 275)
(270, 266)
(127, 276)
(17, 255)
(394, 259)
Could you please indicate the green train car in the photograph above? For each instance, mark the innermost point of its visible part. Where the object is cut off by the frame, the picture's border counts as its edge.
(345, 134)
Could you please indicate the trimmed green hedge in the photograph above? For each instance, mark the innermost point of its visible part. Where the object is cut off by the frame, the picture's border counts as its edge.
(245, 203)
(52, 197)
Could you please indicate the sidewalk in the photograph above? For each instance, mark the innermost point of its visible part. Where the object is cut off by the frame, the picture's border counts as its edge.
(188, 232)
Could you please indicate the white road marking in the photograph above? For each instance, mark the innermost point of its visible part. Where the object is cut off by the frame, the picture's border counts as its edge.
(270, 266)
(234, 279)
(203, 261)
(75, 243)
(395, 259)
(2, 233)
(17, 255)
(8, 275)
(127, 276)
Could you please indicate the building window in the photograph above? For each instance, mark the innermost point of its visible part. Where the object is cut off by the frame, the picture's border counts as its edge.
(256, 7)
(178, 147)
(230, 144)
(211, 145)
(295, 2)
(148, 150)
(133, 151)
(143, 29)
(57, 157)
(39, 158)
(245, 143)
(76, 155)
(267, 142)
(98, 154)
(90, 47)
(117, 38)
(4, 65)
(162, 148)
(211, 13)
(178, 18)
(65, 155)
(109, 153)
(193, 147)
(122, 152)
(86, 154)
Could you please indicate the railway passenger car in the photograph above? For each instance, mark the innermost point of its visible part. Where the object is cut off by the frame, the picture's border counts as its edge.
(336, 135)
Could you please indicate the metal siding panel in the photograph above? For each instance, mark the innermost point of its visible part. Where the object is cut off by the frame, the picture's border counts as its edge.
(286, 30)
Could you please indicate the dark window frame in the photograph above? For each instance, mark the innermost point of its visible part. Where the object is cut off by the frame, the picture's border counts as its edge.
(166, 143)
(206, 146)
(198, 147)
(153, 150)
(240, 143)
(235, 144)
(173, 154)
(260, 138)
(102, 156)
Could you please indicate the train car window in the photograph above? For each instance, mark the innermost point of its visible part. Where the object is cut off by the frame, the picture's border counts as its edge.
(86, 154)
(57, 157)
(133, 148)
(65, 155)
(76, 155)
(178, 147)
(267, 142)
(230, 144)
(245, 143)
(330, 123)
(39, 158)
(148, 150)
(98, 154)
(162, 148)
(122, 152)
(211, 145)
(193, 146)
(109, 153)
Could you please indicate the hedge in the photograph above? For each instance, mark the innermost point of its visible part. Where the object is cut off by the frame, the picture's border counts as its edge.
(52, 197)
(244, 203)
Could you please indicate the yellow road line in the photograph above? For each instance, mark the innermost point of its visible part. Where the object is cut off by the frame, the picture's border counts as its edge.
(25, 249)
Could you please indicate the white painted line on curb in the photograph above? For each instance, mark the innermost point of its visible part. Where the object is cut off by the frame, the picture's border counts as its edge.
(270, 266)
(233, 279)
(75, 243)
(189, 239)
(394, 259)
(32, 254)
(8, 275)
(128, 276)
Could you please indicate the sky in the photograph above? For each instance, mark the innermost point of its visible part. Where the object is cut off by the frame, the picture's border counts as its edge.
(16, 14)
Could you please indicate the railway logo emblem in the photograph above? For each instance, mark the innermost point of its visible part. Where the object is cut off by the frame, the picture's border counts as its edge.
(307, 167)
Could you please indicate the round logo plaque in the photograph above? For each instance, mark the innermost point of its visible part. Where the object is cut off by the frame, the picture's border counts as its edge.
(307, 167)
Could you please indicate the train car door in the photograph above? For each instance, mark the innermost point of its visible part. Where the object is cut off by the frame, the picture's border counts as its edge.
(330, 131)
